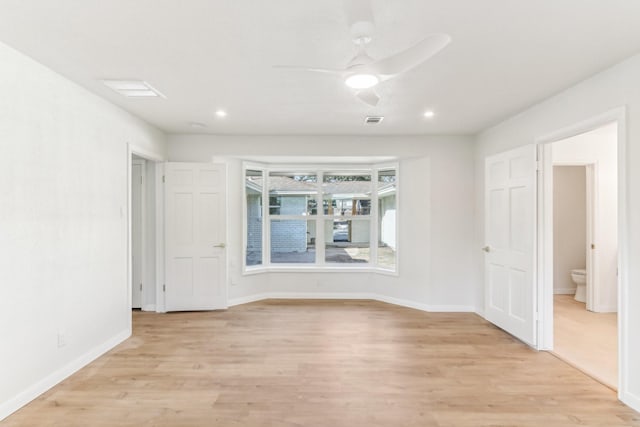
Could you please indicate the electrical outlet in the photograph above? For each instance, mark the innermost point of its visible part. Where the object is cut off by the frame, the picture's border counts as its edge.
(62, 339)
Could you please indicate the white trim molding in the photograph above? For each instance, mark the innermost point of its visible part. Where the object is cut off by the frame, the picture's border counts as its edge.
(317, 192)
(149, 155)
(12, 405)
(347, 296)
(564, 291)
(545, 242)
(299, 295)
(426, 307)
(630, 399)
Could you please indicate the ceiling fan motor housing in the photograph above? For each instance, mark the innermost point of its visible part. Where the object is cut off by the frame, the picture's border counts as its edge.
(362, 32)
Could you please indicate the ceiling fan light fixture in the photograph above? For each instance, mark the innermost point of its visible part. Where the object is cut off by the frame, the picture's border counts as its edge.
(361, 81)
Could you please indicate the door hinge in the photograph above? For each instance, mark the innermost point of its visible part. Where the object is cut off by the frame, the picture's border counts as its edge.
(141, 180)
(140, 287)
(163, 179)
(164, 288)
(538, 165)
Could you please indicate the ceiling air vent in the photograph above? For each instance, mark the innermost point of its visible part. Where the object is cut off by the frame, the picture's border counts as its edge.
(373, 120)
(133, 88)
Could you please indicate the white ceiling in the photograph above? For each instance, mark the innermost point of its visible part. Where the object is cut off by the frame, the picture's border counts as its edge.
(210, 54)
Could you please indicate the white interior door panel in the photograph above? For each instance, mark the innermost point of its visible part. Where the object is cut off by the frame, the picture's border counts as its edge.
(195, 236)
(510, 203)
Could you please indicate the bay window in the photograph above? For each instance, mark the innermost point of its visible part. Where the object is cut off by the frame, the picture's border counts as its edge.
(320, 218)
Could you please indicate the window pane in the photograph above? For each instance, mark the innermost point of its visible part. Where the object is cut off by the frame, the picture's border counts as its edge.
(347, 241)
(253, 187)
(345, 200)
(346, 194)
(293, 241)
(292, 194)
(387, 219)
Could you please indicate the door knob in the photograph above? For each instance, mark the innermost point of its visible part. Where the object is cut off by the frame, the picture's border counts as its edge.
(220, 245)
(487, 248)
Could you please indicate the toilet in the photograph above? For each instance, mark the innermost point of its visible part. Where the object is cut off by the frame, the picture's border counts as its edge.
(579, 277)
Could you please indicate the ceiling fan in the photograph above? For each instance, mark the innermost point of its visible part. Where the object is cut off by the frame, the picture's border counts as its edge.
(364, 73)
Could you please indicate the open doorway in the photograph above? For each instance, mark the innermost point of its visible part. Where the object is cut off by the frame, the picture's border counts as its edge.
(583, 176)
(142, 215)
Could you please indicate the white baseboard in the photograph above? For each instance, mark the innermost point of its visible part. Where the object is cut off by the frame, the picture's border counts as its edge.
(149, 307)
(605, 309)
(320, 295)
(26, 396)
(564, 291)
(247, 299)
(366, 296)
(631, 400)
(299, 295)
(426, 307)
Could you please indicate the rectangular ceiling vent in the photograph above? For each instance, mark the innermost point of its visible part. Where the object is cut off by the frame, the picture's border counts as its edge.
(373, 120)
(133, 88)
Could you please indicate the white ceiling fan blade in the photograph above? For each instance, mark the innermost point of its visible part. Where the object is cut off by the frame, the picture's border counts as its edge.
(312, 69)
(368, 96)
(411, 57)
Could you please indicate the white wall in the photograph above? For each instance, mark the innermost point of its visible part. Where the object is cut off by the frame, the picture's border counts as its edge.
(63, 227)
(614, 88)
(599, 147)
(436, 215)
(569, 225)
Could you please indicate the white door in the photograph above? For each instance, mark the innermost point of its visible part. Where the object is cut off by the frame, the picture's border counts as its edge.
(510, 203)
(195, 221)
(137, 182)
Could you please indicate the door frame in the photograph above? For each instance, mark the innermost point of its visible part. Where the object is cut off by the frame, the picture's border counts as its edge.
(545, 233)
(591, 172)
(143, 225)
(157, 159)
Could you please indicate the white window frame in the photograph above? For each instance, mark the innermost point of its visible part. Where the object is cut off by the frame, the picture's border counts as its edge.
(319, 170)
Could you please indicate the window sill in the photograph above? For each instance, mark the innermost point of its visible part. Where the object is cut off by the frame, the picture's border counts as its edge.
(316, 269)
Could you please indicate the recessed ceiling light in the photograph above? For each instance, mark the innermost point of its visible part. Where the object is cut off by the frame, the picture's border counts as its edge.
(429, 114)
(361, 81)
(197, 125)
(133, 88)
(221, 113)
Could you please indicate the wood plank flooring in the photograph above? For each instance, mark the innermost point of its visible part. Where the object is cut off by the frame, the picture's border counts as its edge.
(324, 363)
(585, 339)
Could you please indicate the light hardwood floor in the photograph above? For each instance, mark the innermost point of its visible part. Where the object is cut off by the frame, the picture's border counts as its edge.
(324, 363)
(585, 339)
